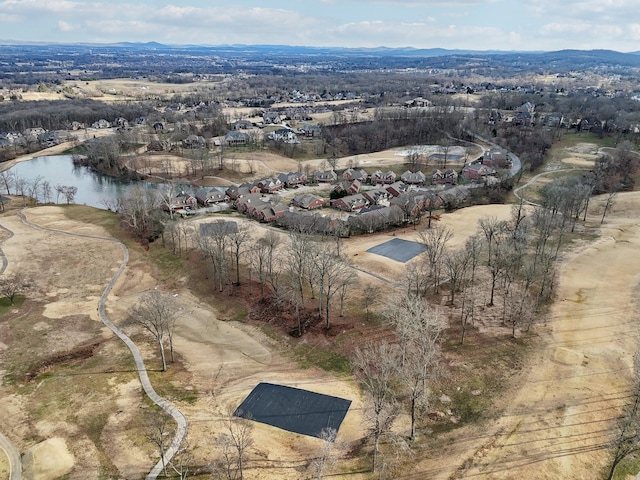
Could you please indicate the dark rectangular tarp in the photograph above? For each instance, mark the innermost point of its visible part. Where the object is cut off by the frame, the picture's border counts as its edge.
(293, 409)
(398, 249)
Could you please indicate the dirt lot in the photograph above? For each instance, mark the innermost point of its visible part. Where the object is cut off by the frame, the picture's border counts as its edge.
(555, 425)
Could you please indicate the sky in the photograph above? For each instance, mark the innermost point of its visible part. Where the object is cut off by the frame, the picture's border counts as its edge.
(454, 24)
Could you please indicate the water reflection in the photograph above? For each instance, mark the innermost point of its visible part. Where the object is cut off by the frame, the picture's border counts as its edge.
(93, 189)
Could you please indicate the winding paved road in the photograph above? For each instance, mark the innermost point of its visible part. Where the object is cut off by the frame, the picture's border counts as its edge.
(167, 406)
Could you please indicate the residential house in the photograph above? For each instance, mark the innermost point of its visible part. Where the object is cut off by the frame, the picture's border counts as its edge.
(377, 196)
(417, 102)
(235, 138)
(270, 185)
(284, 135)
(397, 188)
(210, 197)
(268, 212)
(121, 122)
(313, 223)
(311, 130)
(477, 171)
(496, 158)
(554, 119)
(374, 219)
(235, 192)
(308, 201)
(194, 141)
(292, 179)
(350, 203)
(450, 176)
(410, 203)
(350, 188)
(270, 118)
(248, 202)
(102, 123)
(183, 200)
(590, 124)
(33, 132)
(49, 139)
(453, 197)
(243, 125)
(350, 175)
(526, 107)
(379, 177)
(524, 119)
(328, 176)
(413, 178)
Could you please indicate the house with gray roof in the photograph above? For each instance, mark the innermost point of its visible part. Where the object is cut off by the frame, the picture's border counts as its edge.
(308, 201)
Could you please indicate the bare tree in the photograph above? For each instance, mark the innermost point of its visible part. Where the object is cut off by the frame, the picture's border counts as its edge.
(297, 269)
(467, 309)
(34, 188)
(167, 196)
(417, 277)
(13, 285)
(420, 328)
(160, 433)
(370, 297)
(333, 162)
(182, 461)
(329, 452)
(135, 210)
(627, 439)
(332, 272)
(7, 180)
(46, 191)
(375, 369)
(234, 442)
(434, 240)
(213, 243)
(491, 227)
(21, 185)
(456, 265)
(69, 193)
(607, 205)
(155, 312)
(237, 242)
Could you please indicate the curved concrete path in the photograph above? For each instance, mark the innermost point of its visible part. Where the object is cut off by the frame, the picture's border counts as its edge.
(167, 406)
(9, 448)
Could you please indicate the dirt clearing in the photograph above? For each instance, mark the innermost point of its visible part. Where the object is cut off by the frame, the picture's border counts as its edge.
(555, 426)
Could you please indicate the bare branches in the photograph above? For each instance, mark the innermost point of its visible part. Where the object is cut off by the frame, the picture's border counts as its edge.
(375, 369)
(434, 240)
(233, 443)
(156, 312)
(13, 285)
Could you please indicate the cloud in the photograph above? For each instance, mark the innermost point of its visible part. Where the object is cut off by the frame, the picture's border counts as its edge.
(425, 3)
(395, 34)
(586, 9)
(65, 27)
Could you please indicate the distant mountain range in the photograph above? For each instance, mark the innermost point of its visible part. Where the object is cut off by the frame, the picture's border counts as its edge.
(375, 51)
(406, 57)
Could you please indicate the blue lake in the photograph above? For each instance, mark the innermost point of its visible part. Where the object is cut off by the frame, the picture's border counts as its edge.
(93, 189)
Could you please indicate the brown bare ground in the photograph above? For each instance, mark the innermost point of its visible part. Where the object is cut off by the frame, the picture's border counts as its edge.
(558, 416)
